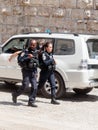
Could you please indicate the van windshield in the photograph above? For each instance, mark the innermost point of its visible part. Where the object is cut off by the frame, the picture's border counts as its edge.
(92, 45)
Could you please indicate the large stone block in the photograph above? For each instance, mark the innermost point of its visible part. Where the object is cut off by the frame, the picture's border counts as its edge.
(44, 11)
(24, 2)
(68, 13)
(13, 2)
(37, 29)
(85, 4)
(8, 31)
(30, 11)
(10, 20)
(88, 14)
(31, 21)
(77, 14)
(96, 4)
(54, 21)
(1, 19)
(19, 2)
(67, 3)
(92, 25)
(95, 14)
(36, 2)
(6, 10)
(53, 3)
(23, 29)
(43, 21)
(81, 26)
(17, 10)
(21, 20)
(66, 24)
(59, 12)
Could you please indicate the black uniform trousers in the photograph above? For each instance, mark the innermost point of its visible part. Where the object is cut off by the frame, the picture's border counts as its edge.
(29, 76)
(47, 75)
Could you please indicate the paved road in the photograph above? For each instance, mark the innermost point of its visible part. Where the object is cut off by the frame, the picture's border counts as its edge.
(74, 113)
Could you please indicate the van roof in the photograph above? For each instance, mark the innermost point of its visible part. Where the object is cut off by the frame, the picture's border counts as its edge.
(55, 35)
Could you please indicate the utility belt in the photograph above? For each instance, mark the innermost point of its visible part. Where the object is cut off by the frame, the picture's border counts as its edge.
(48, 68)
(33, 63)
(51, 67)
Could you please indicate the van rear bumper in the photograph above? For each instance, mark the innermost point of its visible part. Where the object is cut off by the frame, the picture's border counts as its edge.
(94, 84)
(81, 85)
(81, 78)
(93, 73)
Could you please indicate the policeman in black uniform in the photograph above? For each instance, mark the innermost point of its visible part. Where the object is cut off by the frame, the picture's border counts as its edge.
(28, 61)
(47, 65)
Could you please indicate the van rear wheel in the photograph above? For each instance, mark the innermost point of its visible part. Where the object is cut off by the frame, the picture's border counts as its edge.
(60, 88)
(82, 91)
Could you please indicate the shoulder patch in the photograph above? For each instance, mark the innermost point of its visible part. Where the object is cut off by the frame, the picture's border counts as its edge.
(51, 56)
(44, 56)
(22, 54)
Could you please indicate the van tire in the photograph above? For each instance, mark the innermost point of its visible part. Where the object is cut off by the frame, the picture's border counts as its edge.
(82, 91)
(60, 87)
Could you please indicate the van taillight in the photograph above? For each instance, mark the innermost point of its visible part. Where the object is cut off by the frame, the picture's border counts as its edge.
(83, 64)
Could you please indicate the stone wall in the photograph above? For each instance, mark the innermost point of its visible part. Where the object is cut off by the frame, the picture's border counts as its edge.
(21, 16)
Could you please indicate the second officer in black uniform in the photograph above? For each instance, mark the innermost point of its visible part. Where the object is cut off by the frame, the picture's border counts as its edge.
(47, 65)
(28, 61)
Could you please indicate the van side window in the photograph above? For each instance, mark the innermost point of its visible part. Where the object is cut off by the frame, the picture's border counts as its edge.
(64, 47)
(15, 45)
(92, 45)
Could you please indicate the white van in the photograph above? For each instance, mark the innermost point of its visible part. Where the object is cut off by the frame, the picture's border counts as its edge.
(76, 56)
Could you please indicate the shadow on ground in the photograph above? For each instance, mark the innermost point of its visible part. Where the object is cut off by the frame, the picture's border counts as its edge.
(69, 96)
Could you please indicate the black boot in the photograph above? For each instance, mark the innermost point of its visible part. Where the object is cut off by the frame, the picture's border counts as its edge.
(32, 104)
(14, 98)
(53, 101)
